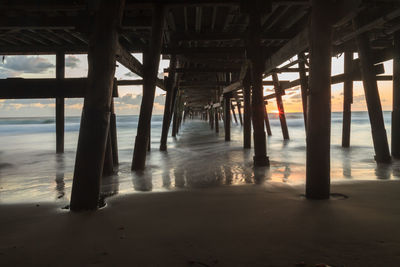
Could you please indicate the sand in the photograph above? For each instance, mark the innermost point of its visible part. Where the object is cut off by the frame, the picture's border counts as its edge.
(250, 225)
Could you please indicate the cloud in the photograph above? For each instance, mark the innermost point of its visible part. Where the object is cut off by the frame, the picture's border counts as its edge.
(129, 99)
(295, 96)
(4, 73)
(160, 99)
(26, 64)
(72, 62)
(131, 74)
(358, 98)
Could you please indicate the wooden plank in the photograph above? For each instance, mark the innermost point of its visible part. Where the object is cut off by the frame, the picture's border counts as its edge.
(203, 70)
(296, 45)
(129, 82)
(18, 88)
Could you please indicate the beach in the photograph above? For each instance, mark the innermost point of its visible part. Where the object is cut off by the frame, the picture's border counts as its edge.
(250, 225)
(201, 203)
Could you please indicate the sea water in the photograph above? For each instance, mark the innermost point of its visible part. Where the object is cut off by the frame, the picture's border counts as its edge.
(31, 171)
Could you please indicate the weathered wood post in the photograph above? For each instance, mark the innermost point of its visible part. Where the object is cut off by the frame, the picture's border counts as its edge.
(234, 113)
(113, 132)
(396, 97)
(246, 112)
(211, 111)
(379, 137)
(347, 99)
(151, 60)
(216, 120)
(266, 119)
(96, 109)
(227, 115)
(108, 166)
(169, 85)
(255, 53)
(319, 102)
(303, 85)
(278, 95)
(60, 120)
(175, 120)
(239, 106)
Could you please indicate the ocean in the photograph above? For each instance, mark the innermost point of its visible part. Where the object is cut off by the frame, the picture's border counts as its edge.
(31, 171)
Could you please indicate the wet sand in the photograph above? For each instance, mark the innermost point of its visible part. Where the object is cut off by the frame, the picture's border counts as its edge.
(248, 225)
(203, 204)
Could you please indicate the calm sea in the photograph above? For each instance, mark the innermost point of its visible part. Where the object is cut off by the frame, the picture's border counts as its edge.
(30, 171)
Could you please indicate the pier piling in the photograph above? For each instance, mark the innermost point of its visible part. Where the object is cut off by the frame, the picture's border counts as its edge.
(96, 110)
(379, 137)
(169, 86)
(227, 115)
(151, 60)
(347, 99)
(60, 103)
(246, 112)
(319, 103)
(256, 56)
(279, 102)
(396, 97)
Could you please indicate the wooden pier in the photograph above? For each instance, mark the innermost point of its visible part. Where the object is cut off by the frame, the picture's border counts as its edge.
(220, 53)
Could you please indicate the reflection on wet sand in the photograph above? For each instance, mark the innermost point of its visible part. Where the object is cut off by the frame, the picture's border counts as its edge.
(346, 163)
(198, 158)
(383, 171)
(142, 181)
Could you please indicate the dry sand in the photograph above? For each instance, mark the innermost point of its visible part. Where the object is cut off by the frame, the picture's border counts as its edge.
(254, 225)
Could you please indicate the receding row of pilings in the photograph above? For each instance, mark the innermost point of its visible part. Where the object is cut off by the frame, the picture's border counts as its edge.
(94, 133)
(316, 99)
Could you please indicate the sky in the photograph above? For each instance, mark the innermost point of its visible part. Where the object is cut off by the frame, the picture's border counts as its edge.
(128, 102)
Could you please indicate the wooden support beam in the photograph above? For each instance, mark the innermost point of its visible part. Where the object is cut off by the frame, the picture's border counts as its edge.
(303, 86)
(227, 116)
(216, 120)
(347, 100)
(266, 120)
(96, 110)
(113, 133)
(340, 78)
(256, 56)
(234, 113)
(211, 112)
(230, 51)
(151, 60)
(203, 70)
(319, 102)
(60, 120)
(279, 102)
(108, 165)
(239, 106)
(202, 84)
(296, 45)
(129, 82)
(247, 112)
(396, 98)
(18, 88)
(372, 98)
(169, 86)
(131, 63)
